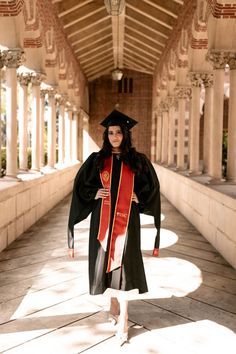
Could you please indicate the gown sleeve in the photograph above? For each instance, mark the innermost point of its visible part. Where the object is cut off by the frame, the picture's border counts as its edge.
(148, 193)
(86, 184)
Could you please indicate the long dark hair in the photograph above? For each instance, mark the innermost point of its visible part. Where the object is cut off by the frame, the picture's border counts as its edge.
(128, 154)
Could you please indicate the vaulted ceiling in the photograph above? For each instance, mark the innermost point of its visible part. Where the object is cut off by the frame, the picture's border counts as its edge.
(134, 40)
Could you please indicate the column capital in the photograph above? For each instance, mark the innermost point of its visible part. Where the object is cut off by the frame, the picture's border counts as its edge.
(183, 92)
(52, 92)
(76, 109)
(195, 78)
(164, 106)
(12, 58)
(36, 78)
(43, 93)
(23, 78)
(218, 58)
(171, 100)
(69, 108)
(207, 79)
(232, 60)
(62, 99)
(159, 111)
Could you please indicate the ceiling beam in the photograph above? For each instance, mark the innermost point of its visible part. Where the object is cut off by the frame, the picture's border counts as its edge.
(96, 56)
(118, 23)
(107, 45)
(141, 54)
(92, 43)
(142, 45)
(87, 22)
(85, 33)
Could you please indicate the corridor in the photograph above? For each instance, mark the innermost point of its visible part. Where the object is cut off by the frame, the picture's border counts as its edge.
(45, 306)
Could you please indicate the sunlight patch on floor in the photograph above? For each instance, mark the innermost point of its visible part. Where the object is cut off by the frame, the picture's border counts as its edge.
(167, 238)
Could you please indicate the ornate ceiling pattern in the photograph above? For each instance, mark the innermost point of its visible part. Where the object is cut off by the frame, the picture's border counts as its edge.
(134, 40)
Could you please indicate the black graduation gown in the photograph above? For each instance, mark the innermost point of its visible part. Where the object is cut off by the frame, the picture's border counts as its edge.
(131, 274)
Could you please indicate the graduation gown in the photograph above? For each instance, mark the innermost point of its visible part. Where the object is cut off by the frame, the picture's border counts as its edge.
(130, 275)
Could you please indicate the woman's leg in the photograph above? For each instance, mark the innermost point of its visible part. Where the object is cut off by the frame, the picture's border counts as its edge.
(122, 333)
(114, 306)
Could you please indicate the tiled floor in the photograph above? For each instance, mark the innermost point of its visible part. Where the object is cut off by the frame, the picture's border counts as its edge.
(45, 306)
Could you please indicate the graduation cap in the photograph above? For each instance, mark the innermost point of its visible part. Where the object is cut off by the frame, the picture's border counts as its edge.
(118, 118)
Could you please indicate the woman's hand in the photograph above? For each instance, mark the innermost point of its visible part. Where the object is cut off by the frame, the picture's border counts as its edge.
(71, 253)
(135, 198)
(102, 193)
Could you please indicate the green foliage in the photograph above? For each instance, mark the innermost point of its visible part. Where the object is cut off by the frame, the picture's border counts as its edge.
(224, 152)
(3, 164)
(29, 153)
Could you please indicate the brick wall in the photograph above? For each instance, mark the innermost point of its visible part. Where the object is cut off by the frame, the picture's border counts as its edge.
(134, 98)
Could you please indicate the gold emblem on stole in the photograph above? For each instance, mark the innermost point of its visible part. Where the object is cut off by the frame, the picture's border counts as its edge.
(105, 176)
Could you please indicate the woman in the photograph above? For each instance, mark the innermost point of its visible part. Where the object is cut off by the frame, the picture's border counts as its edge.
(115, 184)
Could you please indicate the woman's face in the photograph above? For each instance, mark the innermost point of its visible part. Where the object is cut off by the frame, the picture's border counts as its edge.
(115, 136)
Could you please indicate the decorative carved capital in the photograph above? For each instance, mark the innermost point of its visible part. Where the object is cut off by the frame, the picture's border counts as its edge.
(52, 91)
(63, 99)
(183, 92)
(36, 78)
(12, 58)
(23, 78)
(195, 78)
(43, 93)
(232, 61)
(218, 58)
(164, 106)
(171, 100)
(207, 79)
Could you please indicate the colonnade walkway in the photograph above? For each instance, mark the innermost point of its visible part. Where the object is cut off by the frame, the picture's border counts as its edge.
(45, 306)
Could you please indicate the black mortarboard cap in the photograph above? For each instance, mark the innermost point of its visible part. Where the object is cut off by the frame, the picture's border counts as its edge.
(118, 118)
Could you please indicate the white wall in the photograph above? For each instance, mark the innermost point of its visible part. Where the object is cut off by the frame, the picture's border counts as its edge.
(211, 212)
(23, 203)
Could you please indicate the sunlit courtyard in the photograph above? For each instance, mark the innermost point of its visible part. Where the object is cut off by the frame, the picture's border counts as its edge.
(46, 308)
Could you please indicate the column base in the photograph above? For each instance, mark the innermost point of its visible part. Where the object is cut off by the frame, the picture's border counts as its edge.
(180, 169)
(163, 163)
(230, 180)
(11, 178)
(194, 173)
(172, 166)
(216, 181)
(35, 172)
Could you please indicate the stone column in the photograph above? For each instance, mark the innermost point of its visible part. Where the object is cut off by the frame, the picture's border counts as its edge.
(36, 80)
(153, 137)
(159, 135)
(207, 80)
(61, 133)
(194, 146)
(51, 129)
(219, 60)
(75, 136)
(80, 142)
(1, 65)
(165, 125)
(71, 116)
(182, 94)
(12, 60)
(24, 80)
(42, 127)
(171, 136)
(231, 153)
(68, 119)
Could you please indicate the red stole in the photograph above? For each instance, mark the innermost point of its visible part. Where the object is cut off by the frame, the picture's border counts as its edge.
(121, 214)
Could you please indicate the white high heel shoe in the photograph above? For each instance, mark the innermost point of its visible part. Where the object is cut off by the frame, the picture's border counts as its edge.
(121, 335)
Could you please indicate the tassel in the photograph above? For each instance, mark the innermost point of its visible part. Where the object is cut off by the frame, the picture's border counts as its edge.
(155, 252)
